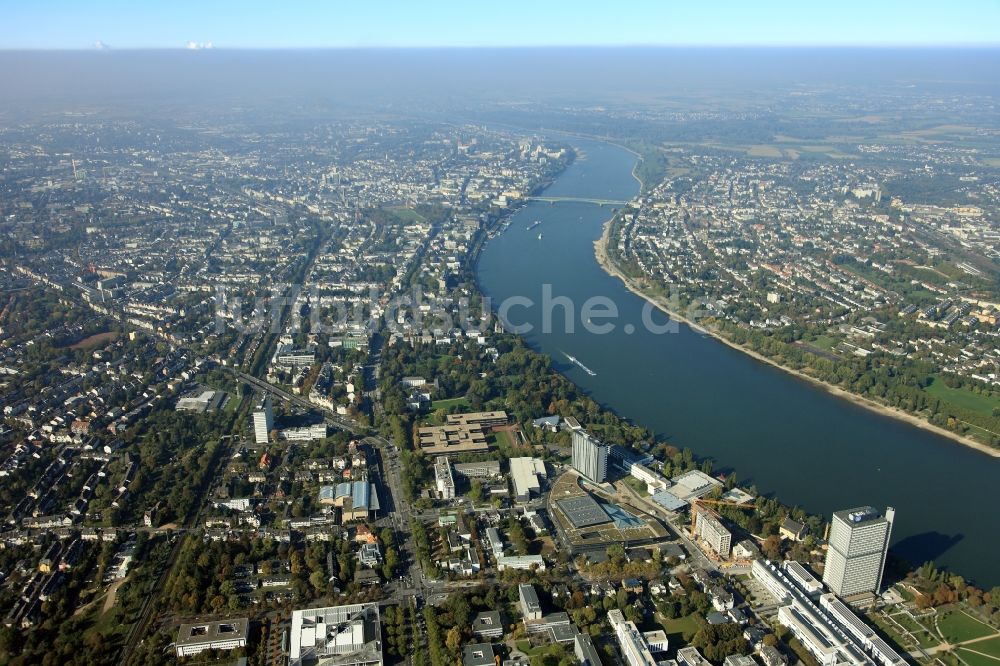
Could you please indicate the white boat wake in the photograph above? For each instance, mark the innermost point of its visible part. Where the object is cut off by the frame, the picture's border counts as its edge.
(576, 361)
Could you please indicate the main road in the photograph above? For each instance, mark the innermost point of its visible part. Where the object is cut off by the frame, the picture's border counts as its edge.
(332, 417)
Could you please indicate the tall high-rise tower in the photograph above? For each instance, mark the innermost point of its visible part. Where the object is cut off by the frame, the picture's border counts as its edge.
(263, 419)
(859, 541)
(590, 456)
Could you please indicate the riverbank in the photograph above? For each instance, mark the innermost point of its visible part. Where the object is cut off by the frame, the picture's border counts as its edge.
(605, 262)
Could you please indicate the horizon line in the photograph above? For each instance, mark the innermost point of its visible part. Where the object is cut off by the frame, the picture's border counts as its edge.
(460, 47)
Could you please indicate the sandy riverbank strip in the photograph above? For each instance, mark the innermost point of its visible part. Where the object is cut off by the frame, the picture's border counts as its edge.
(601, 253)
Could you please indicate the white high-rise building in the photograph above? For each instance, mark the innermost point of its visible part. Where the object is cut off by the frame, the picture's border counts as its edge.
(263, 420)
(590, 456)
(443, 478)
(859, 541)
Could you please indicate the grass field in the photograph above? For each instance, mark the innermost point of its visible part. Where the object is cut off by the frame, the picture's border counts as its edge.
(990, 647)
(536, 654)
(829, 151)
(974, 659)
(942, 130)
(960, 397)
(636, 485)
(924, 637)
(95, 340)
(889, 630)
(449, 403)
(957, 626)
(544, 546)
(407, 214)
(682, 628)
(763, 150)
(504, 439)
(824, 342)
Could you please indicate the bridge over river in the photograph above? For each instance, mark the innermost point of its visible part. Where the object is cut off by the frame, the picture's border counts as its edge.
(599, 202)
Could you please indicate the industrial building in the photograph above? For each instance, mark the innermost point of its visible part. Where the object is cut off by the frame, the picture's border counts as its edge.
(526, 475)
(221, 635)
(590, 456)
(357, 500)
(206, 401)
(859, 542)
(336, 636)
(263, 420)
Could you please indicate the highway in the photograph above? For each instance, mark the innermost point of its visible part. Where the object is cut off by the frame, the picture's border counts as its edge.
(332, 418)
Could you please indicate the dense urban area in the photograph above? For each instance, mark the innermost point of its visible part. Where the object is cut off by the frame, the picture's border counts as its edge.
(256, 410)
(873, 270)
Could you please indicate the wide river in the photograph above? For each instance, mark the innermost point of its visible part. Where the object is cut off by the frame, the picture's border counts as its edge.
(786, 436)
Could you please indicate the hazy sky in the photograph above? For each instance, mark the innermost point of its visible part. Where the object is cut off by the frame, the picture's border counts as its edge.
(79, 24)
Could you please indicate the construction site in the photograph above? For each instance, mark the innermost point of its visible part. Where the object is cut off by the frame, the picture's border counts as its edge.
(590, 517)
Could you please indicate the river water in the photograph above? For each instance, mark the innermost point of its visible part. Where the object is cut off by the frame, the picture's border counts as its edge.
(784, 435)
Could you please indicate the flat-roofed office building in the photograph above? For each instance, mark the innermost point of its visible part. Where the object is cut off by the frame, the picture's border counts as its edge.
(478, 470)
(633, 644)
(221, 635)
(452, 440)
(443, 478)
(526, 475)
(482, 419)
(336, 636)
